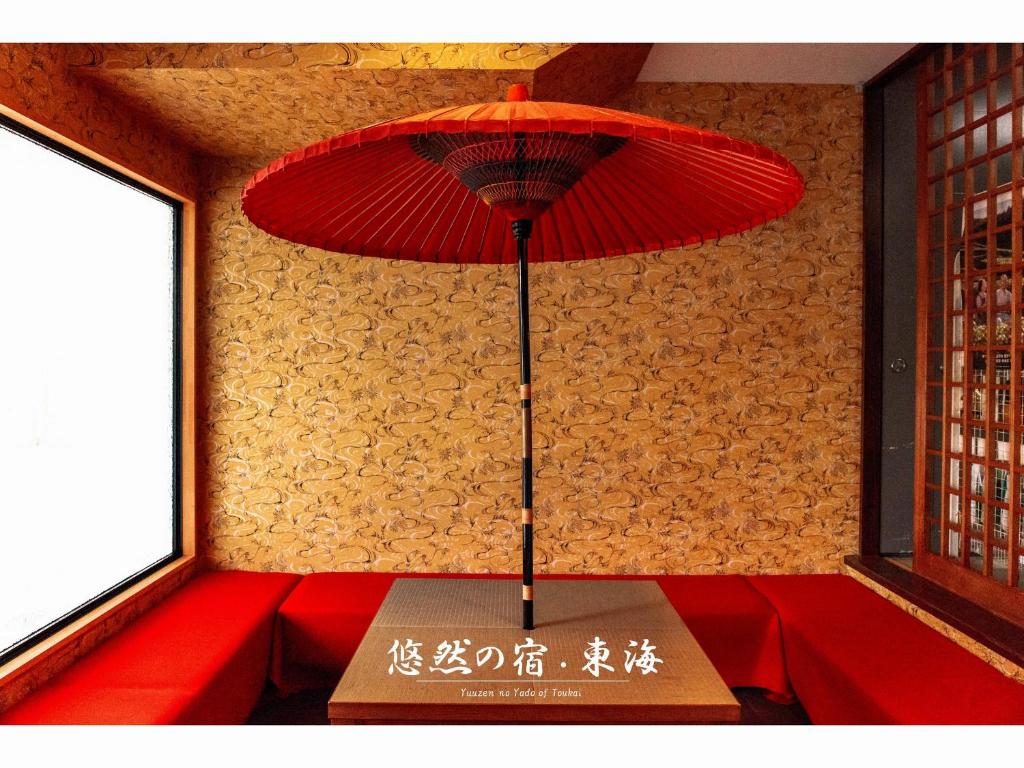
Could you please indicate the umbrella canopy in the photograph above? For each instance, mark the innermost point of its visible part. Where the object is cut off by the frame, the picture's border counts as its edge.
(476, 184)
(598, 182)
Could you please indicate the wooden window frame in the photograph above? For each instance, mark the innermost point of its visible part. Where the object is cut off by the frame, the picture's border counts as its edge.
(70, 630)
(957, 240)
(947, 601)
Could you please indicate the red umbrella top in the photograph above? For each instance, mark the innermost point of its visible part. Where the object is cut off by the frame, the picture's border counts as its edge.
(478, 183)
(442, 186)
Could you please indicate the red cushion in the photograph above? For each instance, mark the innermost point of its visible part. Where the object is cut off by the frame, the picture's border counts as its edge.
(324, 619)
(199, 656)
(737, 628)
(855, 658)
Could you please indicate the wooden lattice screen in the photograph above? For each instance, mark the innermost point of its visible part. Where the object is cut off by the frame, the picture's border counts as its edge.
(968, 528)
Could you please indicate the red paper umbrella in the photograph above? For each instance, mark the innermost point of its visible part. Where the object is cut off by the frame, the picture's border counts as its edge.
(475, 184)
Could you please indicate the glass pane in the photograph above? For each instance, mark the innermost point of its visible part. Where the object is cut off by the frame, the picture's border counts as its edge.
(1004, 130)
(955, 473)
(1001, 445)
(956, 403)
(976, 556)
(980, 61)
(999, 564)
(978, 479)
(1004, 55)
(979, 367)
(1004, 167)
(978, 404)
(954, 509)
(956, 438)
(954, 544)
(977, 516)
(959, 82)
(957, 180)
(956, 372)
(1002, 375)
(1000, 522)
(937, 229)
(957, 151)
(979, 177)
(979, 147)
(978, 441)
(89, 317)
(979, 329)
(1002, 405)
(1003, 89)
(1001, 486)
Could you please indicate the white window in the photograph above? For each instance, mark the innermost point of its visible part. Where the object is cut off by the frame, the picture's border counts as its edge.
(87, 401)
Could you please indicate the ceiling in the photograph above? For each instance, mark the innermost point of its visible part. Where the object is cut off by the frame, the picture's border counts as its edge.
(258, 101)
(845, 63)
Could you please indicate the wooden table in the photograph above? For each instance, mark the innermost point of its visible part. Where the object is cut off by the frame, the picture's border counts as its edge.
(380, 686)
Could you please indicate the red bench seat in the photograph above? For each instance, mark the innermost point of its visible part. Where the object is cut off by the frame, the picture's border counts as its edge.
(855, 658)
(736, 627)
(324, 619)
(200, 656)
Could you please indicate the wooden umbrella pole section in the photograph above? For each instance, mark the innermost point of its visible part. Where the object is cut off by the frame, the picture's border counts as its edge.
(521, 231)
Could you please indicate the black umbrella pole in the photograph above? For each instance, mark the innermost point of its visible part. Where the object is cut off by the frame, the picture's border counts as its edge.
(521, 231)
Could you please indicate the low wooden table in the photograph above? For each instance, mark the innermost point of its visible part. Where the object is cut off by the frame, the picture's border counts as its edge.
(387, 683)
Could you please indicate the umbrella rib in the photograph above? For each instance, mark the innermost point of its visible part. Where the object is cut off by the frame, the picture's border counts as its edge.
(636, 213)
(367, 203)
(320, 206)
(467, 198)
(598, 189)
(369, 192)
(421, 199)
(749, 167)
(465, 232)
(451, 223)
(711, 196)
(438, 200)
(291, 177)
(483, 236)
(559, 207)
(575, 211)
(701, 228)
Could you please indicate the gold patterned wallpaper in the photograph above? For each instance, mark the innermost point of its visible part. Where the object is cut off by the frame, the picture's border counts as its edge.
(695, 410)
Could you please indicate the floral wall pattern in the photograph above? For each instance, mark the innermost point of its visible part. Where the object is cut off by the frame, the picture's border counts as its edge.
(695, 410)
